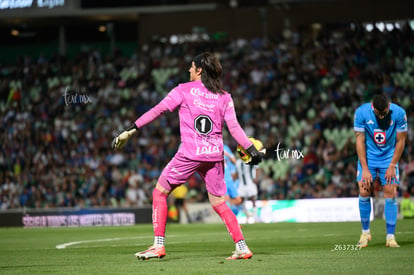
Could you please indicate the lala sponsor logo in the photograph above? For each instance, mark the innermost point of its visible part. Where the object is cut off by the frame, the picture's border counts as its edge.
(208, 146)
(207, 150)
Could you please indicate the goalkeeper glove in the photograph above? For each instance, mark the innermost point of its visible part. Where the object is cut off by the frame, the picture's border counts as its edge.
(120, 140)
(256, 156)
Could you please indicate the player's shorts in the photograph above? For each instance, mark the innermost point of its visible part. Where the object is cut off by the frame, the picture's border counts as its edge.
(180, 168)
(247, 191)
(380, 172)
(179, 202)
(232, 187)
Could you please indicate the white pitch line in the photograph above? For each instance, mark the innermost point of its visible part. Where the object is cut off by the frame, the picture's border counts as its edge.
(405, 232)
(64, 245)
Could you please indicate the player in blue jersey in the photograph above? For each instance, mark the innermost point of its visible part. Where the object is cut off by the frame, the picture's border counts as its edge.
(231, 179)
(380, 130)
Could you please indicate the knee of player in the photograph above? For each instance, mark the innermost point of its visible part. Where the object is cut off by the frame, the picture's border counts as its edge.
(238, 200)
(390, 191)
(364, 192)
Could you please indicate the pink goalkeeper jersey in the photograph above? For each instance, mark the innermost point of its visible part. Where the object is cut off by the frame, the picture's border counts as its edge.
(202, 115)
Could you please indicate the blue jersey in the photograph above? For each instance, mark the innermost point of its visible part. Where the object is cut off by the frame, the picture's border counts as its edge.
(379, 143)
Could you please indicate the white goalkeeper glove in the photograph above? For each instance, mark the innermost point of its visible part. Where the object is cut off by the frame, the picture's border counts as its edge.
(120, 140)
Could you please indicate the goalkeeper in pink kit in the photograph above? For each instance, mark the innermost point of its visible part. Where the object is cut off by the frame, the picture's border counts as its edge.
(203, 108)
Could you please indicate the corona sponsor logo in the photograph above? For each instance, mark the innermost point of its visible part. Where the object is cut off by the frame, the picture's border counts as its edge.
(197, 92)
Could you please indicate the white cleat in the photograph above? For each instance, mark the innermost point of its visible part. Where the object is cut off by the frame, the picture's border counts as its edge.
(363, 240)
(151, 252)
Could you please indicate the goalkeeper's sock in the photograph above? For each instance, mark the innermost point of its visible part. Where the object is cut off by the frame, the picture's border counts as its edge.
(159, 212)
(391, 212)
(230, 221)
(159, 240)
(241, 245)
(364, 211)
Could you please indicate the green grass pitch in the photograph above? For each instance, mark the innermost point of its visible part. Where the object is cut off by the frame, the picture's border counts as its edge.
(278, 248)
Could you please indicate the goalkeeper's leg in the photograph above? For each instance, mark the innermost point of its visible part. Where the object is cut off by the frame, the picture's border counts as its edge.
(233, 227)
(159, 220)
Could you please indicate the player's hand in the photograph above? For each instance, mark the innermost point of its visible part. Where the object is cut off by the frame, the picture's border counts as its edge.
(366, 180)
(256, 156)
(120, 140)
(391, 174)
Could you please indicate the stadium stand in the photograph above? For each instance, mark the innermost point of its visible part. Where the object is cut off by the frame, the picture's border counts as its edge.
(60, 114)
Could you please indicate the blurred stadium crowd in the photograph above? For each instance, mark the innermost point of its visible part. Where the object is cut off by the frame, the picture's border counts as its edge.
(296, 92)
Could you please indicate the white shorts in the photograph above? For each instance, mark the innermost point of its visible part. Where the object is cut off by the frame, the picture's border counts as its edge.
(247, 191)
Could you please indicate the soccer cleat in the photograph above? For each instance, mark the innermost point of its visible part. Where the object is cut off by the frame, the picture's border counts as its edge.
(241, 255)
(151, 252)
(364, 239)
(391, 242)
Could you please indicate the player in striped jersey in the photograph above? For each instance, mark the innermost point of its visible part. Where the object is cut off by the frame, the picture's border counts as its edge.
(248, 187)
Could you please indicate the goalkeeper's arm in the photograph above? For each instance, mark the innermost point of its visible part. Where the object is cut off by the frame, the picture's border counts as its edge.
(120, 140)
(240, 136)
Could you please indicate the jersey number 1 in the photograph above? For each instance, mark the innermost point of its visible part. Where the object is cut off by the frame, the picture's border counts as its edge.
(203, 124)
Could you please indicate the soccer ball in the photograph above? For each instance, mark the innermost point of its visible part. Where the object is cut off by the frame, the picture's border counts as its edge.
(244, 155)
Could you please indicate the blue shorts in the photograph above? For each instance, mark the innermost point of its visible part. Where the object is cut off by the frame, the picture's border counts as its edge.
(232, 189)
(380, 172)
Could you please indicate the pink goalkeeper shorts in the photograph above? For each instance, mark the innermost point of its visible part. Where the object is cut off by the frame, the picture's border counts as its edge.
(180, 168)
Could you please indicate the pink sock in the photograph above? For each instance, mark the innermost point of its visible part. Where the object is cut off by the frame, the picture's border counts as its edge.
(230, 221)
(159, 212)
